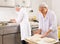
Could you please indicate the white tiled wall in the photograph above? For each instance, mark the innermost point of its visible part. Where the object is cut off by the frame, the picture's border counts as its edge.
(7, 13)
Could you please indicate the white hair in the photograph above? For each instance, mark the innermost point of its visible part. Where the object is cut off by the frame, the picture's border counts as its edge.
(43, 5)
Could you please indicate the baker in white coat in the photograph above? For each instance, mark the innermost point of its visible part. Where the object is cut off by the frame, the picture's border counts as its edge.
(47, 22)
(23, 20)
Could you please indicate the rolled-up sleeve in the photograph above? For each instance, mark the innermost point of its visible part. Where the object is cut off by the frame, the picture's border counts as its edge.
(53, 22)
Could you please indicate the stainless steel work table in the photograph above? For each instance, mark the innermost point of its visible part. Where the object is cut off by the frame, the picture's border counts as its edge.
(10, 34)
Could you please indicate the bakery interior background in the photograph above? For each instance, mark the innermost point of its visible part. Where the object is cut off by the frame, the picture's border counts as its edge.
(53, 4)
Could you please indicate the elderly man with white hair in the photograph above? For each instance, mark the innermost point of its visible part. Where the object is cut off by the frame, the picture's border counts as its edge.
(47, 22)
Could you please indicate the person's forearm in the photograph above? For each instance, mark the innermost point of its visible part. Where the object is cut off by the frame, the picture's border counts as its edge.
(47, 33)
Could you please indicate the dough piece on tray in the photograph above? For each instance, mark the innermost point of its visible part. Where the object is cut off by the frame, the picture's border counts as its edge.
(49, 40)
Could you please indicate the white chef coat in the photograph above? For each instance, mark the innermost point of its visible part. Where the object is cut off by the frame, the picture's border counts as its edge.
(49, 22)
(24, 23)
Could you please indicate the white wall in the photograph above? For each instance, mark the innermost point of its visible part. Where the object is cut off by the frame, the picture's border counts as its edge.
(49, 3)
(7, 13)
(56, 8)
(34, 5)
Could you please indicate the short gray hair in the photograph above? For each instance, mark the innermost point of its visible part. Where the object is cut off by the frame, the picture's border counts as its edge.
(43, 5)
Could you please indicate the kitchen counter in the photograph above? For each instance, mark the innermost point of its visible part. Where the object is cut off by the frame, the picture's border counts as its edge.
(9, 28)
(10, 34)
(9, 25)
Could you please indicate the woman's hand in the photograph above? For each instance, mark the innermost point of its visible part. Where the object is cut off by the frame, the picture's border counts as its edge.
(44, 35)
